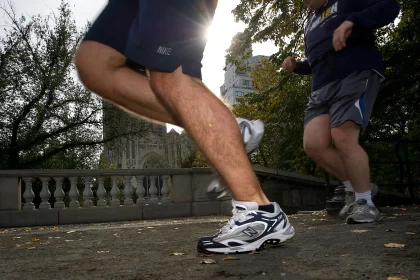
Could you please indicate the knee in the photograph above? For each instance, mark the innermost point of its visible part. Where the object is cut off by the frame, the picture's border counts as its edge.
(315, 148)
(94, 66)
(83, 61)
(168, 84)
(345, 139)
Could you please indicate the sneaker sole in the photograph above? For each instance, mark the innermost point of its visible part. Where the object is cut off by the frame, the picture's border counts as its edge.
(272, 239)
(353, 221)
(253, 144)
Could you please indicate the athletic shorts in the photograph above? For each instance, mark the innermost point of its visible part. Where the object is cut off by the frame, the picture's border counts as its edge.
(349, 99)
(160, 35)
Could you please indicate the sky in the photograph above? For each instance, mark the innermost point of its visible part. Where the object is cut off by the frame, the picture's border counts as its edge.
(220, 32)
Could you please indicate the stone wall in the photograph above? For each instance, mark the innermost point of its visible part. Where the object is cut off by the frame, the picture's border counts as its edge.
(187, 197)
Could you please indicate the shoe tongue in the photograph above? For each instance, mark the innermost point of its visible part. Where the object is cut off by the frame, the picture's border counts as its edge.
(361, 201)
(244, 205)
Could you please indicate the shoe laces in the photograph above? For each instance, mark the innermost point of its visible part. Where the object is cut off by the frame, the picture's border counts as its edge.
(351, 207)
(359, 209)
(238, 215)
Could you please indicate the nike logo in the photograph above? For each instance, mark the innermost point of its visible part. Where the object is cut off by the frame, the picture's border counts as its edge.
(164, 50)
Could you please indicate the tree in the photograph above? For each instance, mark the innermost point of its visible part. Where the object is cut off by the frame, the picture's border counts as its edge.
(47, 118)
(279, 101)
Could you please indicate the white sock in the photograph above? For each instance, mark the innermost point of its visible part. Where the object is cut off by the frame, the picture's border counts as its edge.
(365, 195)
(349, 186)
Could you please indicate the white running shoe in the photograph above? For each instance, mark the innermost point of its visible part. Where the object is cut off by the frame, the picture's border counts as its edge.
(248, 230)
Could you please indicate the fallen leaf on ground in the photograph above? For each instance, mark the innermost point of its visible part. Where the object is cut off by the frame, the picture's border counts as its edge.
(150, 227)
(30, 248)
(35, 239)
(410, 233)
(230, 258)
(359, 230)
(71, 231)
(176, 254)
(101, 252)
(55, 228)
(394, 245)
(27, 243)
(394, 278)
(17, 237)
(68, 241)
(208, 261)
(390, 230)
(19, 245)
(255, 253)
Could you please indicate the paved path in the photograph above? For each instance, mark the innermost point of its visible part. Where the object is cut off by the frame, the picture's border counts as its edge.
(323, 248)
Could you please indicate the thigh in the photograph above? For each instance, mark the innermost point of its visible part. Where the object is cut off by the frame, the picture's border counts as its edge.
(168, 34)
(113, 25)
(356, 98)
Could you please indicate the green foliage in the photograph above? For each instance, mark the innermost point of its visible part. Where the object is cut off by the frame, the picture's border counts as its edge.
(47, 118)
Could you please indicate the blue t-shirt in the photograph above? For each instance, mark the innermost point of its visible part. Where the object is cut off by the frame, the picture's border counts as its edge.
(360, 53)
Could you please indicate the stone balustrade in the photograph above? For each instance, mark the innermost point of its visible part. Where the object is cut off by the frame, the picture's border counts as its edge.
(145, 189)
(84, 196)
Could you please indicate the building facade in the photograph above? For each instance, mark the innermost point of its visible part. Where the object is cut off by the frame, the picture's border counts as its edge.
(148, 145)
(238, 83)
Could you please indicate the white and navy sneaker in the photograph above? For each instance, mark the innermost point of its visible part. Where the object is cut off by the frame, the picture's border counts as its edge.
(252, 133)
(248, 230)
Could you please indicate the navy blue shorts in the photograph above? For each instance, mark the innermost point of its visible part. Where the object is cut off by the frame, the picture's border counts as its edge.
(160, 35)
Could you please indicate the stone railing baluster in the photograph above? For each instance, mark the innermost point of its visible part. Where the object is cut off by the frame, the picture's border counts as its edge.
(73, 193)
(153, 191)
(101, 193)
(115, 192)
(127, 191)
(87, 193)
(45, 194)
(28, 195)
(140, 190)
(165, 190)
(59, 193)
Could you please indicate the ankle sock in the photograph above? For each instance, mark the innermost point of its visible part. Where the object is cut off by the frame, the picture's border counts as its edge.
(266, 208)
(365, 195)
(349, 186)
